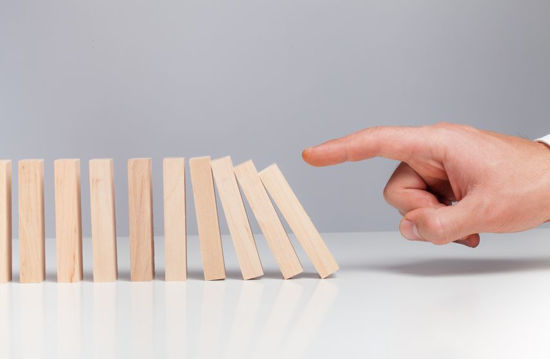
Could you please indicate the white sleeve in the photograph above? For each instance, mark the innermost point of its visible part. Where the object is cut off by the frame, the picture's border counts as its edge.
(545, 139)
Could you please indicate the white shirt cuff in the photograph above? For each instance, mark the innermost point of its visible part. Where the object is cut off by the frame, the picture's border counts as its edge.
(545, 139)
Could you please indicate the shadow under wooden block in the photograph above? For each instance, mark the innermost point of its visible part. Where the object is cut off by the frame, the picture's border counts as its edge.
(5, 221)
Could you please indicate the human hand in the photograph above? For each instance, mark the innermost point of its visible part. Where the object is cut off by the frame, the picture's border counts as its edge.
(453, 181)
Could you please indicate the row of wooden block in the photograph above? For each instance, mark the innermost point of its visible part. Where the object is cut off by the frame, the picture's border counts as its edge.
(256, 187)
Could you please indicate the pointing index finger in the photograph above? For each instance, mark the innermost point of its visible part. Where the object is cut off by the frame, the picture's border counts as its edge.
(393, 142)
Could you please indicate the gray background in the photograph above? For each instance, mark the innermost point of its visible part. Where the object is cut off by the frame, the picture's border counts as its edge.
(262, 80)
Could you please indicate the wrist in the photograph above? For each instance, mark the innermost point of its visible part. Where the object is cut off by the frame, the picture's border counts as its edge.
(545, 153)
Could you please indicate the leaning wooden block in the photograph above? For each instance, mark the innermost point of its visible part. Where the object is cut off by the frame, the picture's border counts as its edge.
(102, 205)
(140, 205)
(207, 218)
(31, 221)
(5, 221)
(267, 218)
(236, 217)
(175, 235)
(68, 220)
(298, 220)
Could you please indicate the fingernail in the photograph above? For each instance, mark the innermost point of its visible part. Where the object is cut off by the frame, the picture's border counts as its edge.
(409, 231)
(464, 242)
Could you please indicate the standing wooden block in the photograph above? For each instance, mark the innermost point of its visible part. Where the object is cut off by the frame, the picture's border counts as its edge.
(102, 205)
(236, 217)
(298, 220)
(5, 221)
(140, 200)
(68, 220)
(31, 221)
(207, 218)
(175, 235)
(267, 218)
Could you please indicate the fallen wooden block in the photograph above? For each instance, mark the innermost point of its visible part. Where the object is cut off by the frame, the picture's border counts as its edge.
(175, 235)
(237, 220)
(68, 220)
(207, 218)
(31, 221)
(140, 213)
(298, 220)
(267, 218)
(103, 220)
(5, 221)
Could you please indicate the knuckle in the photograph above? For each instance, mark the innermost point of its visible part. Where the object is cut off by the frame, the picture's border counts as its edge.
(372, 131)
(375, 129)
(454, 127)
(443, 124)
(497, 216)
(389, 193)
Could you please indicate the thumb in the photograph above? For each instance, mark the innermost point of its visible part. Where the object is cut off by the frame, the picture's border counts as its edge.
(443, 225)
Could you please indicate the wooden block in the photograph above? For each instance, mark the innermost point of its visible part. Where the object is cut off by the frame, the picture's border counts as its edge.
(207, 218)
(175, 235)
(267, 218)
(5, 221)
(102, 205)
(236, 217)
(140, 200)
(68, 220)
(298, 220)
(31, 221)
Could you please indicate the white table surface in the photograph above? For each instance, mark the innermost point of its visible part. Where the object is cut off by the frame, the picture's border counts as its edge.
(391, 299)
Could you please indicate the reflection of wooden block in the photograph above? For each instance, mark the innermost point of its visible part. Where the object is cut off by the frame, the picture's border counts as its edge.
(175, 237)
(68, 220)
(268, 219)
(102, 204)
(236, 217)
(5, 221)
(31, 221)
(207, 218)
(140, 213)
(298, 220)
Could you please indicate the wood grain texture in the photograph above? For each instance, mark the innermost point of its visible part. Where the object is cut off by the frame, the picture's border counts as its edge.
(5, 221)
(237, 220)
(140, 212)
(175, 234)
(207, 218)
(103, 220)
(267, 218)
(68, 220)
(298, 220)
(31, 221)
